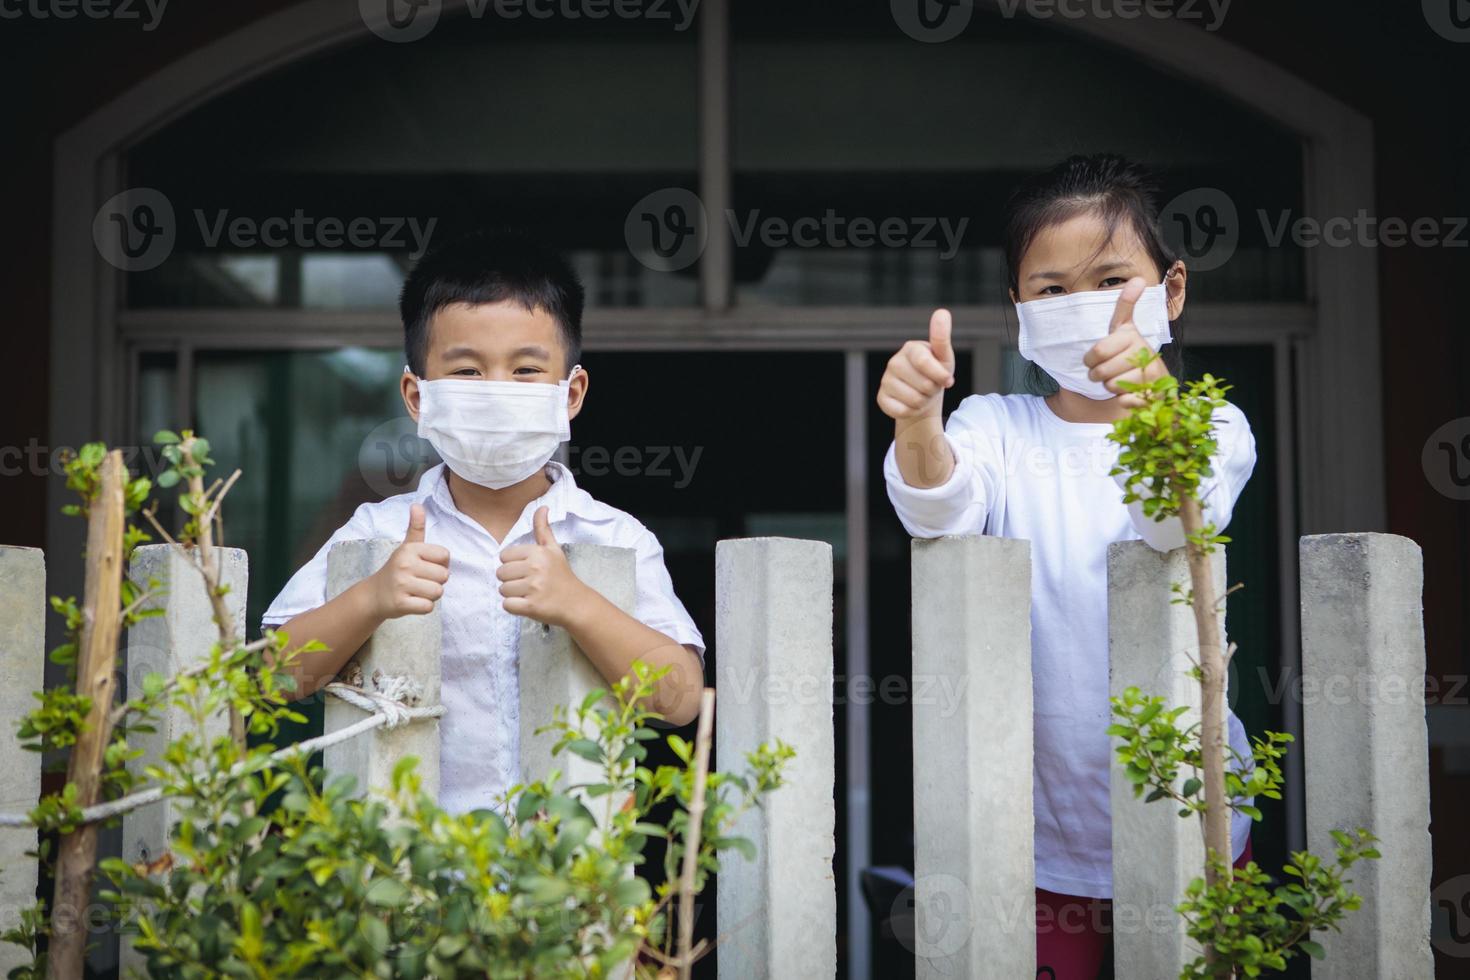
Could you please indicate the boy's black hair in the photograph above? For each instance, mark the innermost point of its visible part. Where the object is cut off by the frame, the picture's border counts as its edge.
(1113, 188)
(490, 266)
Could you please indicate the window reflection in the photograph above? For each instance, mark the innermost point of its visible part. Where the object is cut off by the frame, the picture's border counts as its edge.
(847, 124)
(300, 425)
(316, 186)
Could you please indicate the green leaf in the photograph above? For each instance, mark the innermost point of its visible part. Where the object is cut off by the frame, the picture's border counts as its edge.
(375, 932)
(743, 845)
(402, 768)
(543, 889)
(631, 891)
(586, 748)
(387, 893)
(450, 946)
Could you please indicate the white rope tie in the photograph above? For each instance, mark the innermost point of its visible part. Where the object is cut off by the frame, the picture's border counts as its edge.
(394, 701)
(394, 696)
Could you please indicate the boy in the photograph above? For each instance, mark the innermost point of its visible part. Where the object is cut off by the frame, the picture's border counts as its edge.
(492, 333)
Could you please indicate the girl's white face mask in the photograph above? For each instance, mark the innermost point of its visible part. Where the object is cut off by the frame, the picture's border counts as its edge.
(494, 433)
(1057, 331)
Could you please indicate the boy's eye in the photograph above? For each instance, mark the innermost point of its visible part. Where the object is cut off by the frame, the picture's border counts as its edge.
(466, 372)
(529, 369)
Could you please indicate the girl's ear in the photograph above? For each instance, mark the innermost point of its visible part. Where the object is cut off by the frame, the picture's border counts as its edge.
(1012, 293)
(408, 387)
(1177, 279)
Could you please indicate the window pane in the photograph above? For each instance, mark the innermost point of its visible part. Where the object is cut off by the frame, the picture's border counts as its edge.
(301, 426)
(155, 398)
(317, 185)
(845, 127)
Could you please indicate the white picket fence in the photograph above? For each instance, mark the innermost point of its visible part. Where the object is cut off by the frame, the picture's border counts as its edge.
(1362, 681)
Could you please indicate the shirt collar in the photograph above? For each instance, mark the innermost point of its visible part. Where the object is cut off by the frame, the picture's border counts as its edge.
(562, 499)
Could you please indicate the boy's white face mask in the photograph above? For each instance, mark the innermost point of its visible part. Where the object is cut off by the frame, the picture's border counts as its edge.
(1057, 331)
(494, 433)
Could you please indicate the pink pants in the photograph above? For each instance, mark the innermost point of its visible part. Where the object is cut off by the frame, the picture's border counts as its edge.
(1073, 934)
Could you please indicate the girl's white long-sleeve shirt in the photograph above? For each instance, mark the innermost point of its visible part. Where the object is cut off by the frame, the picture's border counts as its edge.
(1021, 471)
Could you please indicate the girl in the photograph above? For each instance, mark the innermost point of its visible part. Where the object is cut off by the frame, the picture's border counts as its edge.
(1093, 283)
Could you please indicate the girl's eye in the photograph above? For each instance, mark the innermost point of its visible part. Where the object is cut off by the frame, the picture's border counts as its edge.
(1112, 281)
(1053, 290)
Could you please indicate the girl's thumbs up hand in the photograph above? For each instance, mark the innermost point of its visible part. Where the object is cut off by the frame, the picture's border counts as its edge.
(1111, 359)
(914, 382)
(413, 578)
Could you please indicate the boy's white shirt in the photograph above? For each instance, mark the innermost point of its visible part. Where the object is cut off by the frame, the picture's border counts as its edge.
(1023, 472)
(480, 730)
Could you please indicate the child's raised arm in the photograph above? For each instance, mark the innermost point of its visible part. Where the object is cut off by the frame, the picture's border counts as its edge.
(537, 581)
(912, 394)
(409, 583)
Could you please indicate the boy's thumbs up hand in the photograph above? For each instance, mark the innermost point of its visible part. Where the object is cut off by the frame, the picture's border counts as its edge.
(537, 581)
(541, 521)
(413, 578)
(418, 520)
(914, 382)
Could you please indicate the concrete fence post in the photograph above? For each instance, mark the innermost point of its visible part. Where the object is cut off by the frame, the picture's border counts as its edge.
(169, 644)
(1366, 744)
(1152, 645)
(554, 671)
(22, 670)
(404, 647)
(974, 872)
(773, 643)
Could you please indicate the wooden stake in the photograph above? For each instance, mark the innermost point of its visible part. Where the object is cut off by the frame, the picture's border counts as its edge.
(96, 664)
(696, 824)
(1212, 691)
(208, 563)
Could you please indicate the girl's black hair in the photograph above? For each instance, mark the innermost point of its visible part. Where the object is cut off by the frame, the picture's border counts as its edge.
(1115, 189)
